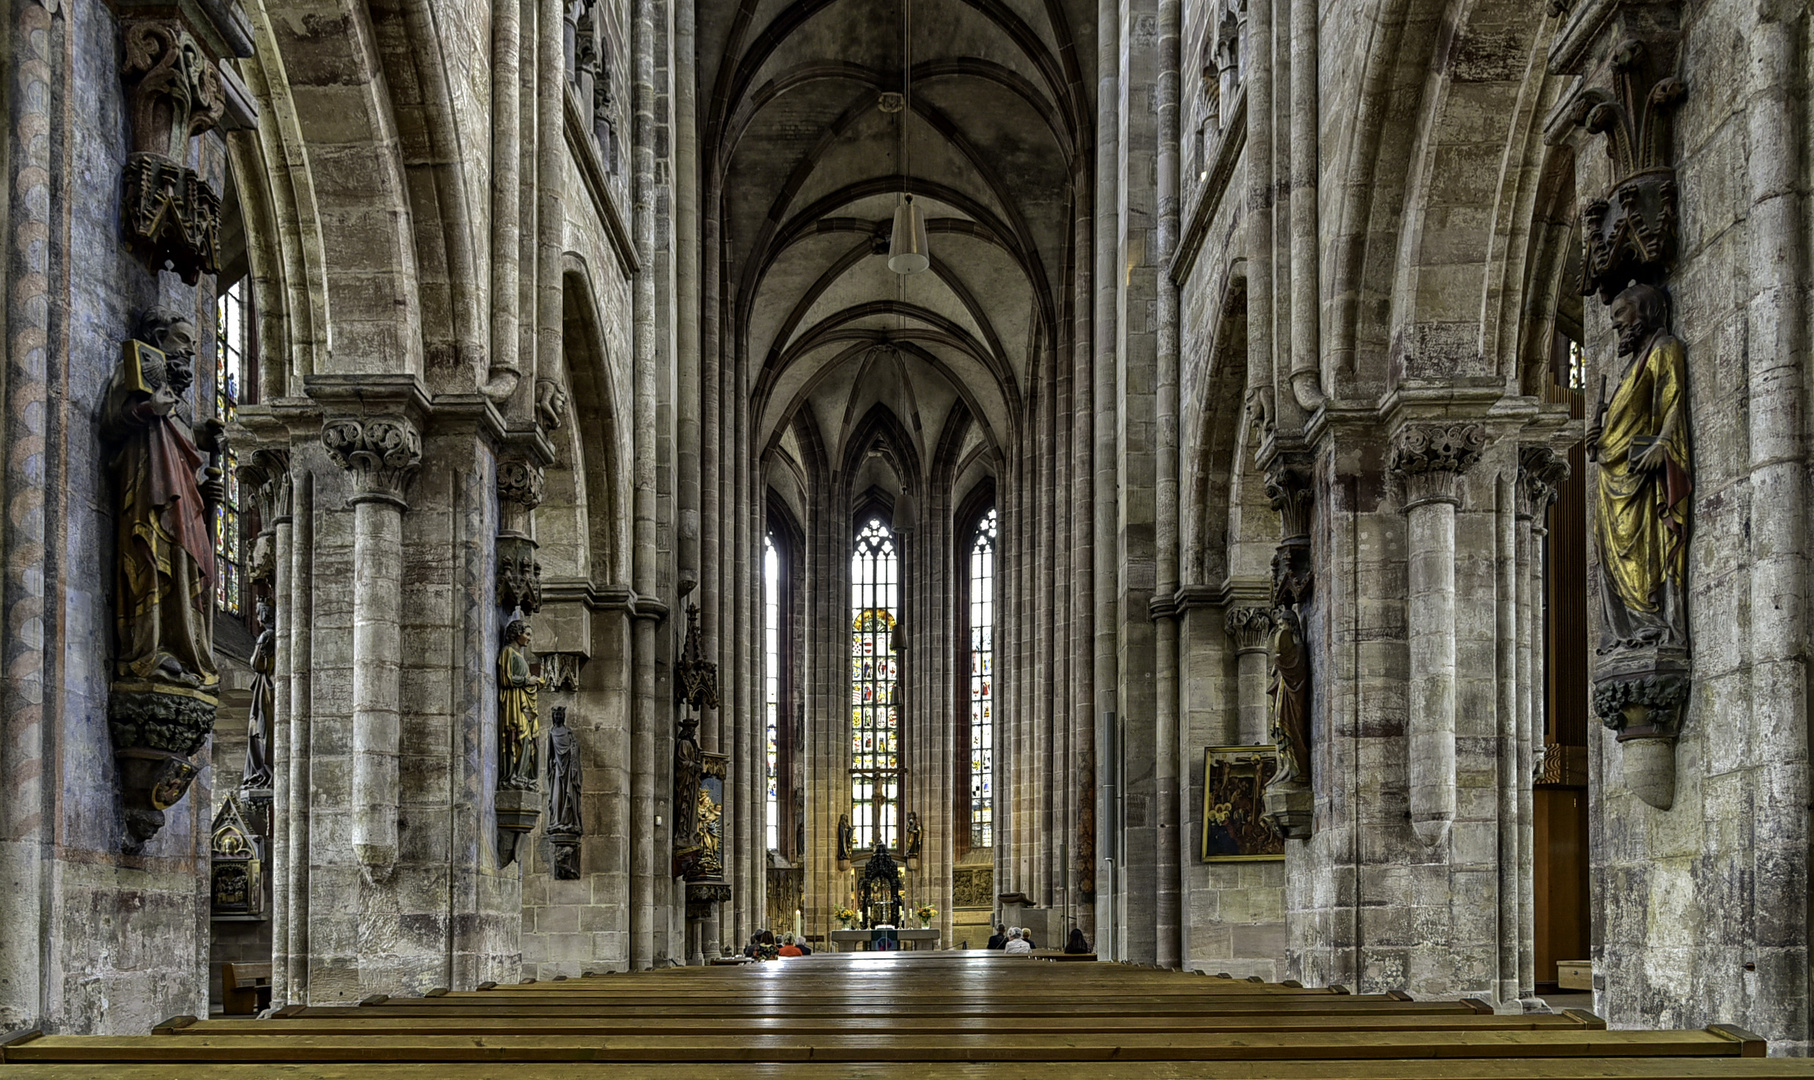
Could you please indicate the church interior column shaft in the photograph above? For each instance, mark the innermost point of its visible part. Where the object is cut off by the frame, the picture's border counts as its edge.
(506, 192)
(297, 626)
(1430, 623)
(644, 804)
(1172, 849)
(283, 754)
(377, 665)
(1103, 485)
(1512, 543)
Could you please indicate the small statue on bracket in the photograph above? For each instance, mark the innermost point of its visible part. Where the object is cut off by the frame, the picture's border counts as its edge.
(517, 730)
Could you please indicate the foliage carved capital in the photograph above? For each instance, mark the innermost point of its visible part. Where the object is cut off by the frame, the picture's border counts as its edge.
(382, 453)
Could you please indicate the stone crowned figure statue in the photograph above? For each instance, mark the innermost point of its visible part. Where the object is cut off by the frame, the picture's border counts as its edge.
(564, 777)
(164, 570)
(1640, 439)
(517, 731)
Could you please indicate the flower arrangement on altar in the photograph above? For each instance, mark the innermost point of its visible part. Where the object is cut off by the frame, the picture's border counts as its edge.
(927, 913)
(845, 915)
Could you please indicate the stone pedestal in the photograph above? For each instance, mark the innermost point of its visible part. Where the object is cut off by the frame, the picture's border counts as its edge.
(517, 813)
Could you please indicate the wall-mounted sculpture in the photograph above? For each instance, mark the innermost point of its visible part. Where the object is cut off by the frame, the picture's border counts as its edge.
(165, 685)
(518, 729)
(913, 837)
(255, 779)
(1290, 800)
(172, 215)
(1639, 438)
(565, 779)
(1640, 434)
(520, 486)
(844, 841)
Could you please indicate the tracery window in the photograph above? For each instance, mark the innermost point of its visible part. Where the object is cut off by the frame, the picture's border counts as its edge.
(874, 707)
(230, 330)
(982, 682)
(771, 683)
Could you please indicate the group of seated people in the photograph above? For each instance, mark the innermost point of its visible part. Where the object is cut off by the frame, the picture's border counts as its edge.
(763, 946)
(1019, 939)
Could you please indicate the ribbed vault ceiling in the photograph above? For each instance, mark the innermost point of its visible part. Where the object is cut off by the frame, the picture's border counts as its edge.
(808, 168)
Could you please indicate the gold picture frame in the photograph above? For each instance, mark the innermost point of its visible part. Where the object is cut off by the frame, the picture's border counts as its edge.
(1235, 828)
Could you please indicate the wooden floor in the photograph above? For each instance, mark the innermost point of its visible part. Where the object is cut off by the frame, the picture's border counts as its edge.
(899, 1016)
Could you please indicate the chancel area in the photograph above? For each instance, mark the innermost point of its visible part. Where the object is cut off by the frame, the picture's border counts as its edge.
(1312, 492)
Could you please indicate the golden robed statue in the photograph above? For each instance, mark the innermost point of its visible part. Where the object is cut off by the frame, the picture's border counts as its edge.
(517, 730)
(1640, 439)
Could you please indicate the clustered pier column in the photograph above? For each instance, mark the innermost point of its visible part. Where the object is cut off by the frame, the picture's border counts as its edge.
(382, 453)
(1430, 459)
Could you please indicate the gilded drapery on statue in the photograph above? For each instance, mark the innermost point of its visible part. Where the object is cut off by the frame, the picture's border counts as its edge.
(1640, 439)
(517, 731)
(164, 569)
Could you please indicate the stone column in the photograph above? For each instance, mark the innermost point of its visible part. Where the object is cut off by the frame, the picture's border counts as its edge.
(382, 453)
(1540, 472)
(1430, 460)
(1249, 627)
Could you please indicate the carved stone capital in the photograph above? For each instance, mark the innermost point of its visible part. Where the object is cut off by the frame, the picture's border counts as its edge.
(1249, 627)
(1540, 472)
(521, 482)
(382, 453)
(1291, 489)
(1431, 458)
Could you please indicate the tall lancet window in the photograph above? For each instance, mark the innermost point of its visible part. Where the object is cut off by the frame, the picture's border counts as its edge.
(982, 679)
(231, 326)
(982, 682)
(771, 682)
(874, 711)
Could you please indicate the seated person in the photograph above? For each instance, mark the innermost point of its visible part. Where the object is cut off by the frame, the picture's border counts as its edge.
(766, 949)
(1017, 945)
(789, 947)
(999, 938)
(1026, 935)
(1076, 946)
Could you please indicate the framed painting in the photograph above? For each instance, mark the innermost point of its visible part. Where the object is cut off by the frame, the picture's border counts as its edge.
(1235, 828)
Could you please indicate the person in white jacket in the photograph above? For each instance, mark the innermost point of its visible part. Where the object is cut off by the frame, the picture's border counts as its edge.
(1017, 942)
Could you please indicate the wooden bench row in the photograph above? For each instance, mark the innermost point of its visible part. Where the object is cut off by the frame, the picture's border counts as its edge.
(906, 1016)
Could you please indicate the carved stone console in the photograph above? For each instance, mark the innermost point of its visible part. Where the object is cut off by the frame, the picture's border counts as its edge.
(171, 215)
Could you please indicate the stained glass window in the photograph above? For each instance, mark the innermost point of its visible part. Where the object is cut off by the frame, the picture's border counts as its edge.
(771, 683)
(229, 359)
(982, 682)
(874, 709)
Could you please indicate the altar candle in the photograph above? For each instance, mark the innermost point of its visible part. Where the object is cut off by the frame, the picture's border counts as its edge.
(799, 933)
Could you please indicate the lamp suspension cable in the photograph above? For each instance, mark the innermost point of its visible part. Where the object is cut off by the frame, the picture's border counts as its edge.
(907, 243)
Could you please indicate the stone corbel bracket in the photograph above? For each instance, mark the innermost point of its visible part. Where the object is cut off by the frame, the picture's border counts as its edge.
(173, 92)
(1429, 459)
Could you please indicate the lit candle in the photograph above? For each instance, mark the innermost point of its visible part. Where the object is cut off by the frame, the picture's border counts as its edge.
(799, 932)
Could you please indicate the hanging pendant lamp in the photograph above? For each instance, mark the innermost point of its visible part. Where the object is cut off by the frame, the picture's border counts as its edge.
(907, 245)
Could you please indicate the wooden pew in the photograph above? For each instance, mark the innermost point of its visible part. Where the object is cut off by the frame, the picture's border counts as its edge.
(946, 1015)
(245, 988)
